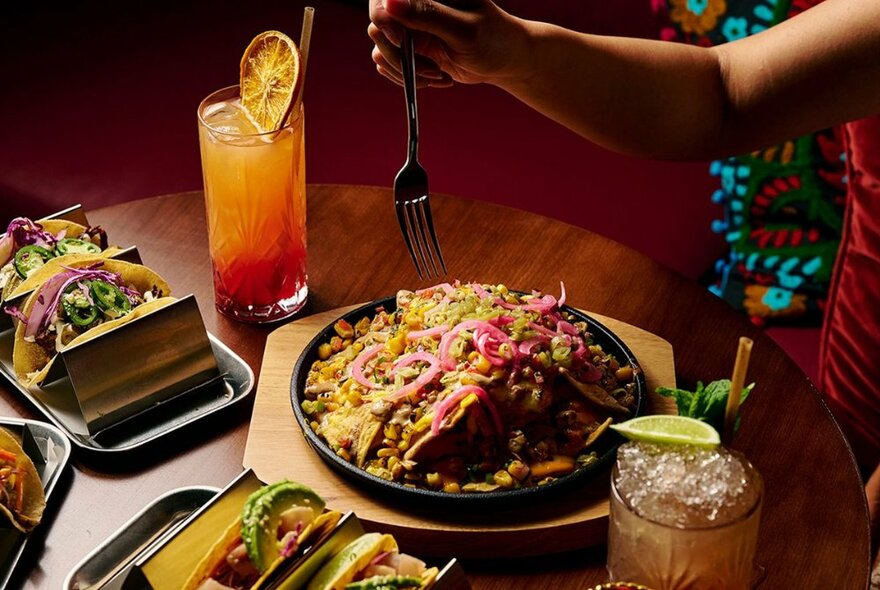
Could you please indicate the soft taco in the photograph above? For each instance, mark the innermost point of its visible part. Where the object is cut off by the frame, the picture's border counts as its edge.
(277, 523)
(77, 302)
(27, 246)
(21, 492)
(373, 562)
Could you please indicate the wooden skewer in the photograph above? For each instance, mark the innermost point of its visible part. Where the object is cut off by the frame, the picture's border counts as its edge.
(737, 383)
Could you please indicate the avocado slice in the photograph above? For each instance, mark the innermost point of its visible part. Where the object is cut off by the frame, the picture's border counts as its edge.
(261, 517)
(385, 583)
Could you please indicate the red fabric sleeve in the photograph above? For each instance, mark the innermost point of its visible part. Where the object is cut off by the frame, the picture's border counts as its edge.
(849, 354)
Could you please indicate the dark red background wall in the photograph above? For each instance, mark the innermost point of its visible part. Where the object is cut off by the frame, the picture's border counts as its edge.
(98, 106)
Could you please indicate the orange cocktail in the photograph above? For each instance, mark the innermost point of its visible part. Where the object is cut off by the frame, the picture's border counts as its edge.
(253, 165)
(255, 198)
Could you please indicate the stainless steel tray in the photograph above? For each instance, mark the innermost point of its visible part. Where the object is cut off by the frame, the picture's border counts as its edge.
(106, 566)
(236, 383)
(53, 450)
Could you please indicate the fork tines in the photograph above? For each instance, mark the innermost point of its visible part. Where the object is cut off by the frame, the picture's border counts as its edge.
(417, 227)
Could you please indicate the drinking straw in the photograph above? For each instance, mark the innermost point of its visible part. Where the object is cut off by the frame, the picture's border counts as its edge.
(304, 40)
(736, 386)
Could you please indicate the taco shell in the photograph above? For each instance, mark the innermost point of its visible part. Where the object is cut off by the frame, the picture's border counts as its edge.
(30, 360)
(229, 541)
(355, 557)
(33, 497)
(54, 227)
(15, 288)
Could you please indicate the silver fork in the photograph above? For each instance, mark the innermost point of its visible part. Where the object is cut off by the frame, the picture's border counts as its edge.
(411, 200)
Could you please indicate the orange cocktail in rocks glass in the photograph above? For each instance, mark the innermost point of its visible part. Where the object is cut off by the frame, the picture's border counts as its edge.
(253, 166)
(683, 516)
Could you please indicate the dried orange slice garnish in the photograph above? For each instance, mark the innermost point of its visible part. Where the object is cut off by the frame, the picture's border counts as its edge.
(270, 73)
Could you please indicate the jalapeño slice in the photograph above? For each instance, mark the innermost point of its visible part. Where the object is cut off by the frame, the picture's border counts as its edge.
(75, 246)
(109, 297)
(30, 258)
(77, 307)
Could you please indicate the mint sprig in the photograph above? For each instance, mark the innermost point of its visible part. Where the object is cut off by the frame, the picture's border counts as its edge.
(707, 403)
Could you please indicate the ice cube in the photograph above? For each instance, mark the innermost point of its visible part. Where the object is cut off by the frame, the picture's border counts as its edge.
(685, 486)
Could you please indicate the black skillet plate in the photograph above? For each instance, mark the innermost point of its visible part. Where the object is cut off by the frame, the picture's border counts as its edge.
(382, 488)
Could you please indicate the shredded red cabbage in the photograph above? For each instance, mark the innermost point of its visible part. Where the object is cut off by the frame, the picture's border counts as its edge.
(25, 232)
(50, 293)
(15, 312)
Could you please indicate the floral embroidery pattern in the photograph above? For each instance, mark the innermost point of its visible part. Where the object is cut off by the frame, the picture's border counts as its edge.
(697, 16)
(782, 206)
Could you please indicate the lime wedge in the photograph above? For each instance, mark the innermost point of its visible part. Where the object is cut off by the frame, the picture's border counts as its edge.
(676, 430)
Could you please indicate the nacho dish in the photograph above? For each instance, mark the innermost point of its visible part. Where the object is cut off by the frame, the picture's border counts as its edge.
(27, 246)
(467, 388)
(76, 302)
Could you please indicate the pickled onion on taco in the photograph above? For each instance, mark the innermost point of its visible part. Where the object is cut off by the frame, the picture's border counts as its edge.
(80, 301)
(28, 246)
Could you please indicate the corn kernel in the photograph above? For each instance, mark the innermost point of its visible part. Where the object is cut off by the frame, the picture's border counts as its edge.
(344, 329)
(483, 365)
(391, 432)
(518, 469)
(344, 454)
(433, 480)
(503, 289)
(324, 351)
(387, 452)
(397, 344)
(413, 321)
(624, 374)
(503, 478)
(451, 488)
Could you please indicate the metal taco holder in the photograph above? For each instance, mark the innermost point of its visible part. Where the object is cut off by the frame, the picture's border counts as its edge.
(117, 563)
(138, 381)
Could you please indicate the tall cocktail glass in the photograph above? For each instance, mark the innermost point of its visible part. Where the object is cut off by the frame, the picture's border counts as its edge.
(255, 199)
(683, 518)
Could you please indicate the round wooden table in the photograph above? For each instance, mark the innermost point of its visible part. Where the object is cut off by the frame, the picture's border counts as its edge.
(814, 527)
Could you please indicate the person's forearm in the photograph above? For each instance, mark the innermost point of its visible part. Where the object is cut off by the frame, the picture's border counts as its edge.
(645, 98)
(673, 101)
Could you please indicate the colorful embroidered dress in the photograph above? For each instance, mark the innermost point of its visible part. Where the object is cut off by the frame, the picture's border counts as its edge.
(782, 206)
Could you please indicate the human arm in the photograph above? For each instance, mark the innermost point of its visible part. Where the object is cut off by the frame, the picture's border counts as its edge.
(653, 98)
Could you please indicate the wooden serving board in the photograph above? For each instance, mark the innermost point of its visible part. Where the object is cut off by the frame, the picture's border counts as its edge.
(276, 449)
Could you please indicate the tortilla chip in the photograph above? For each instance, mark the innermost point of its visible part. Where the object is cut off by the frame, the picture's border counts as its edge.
(33, 497)
(32, 363)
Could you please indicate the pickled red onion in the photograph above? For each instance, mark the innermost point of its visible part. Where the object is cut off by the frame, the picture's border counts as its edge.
(426, 377)
(525, 347)
(435, 331)
(444, 406)
(357, 366)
